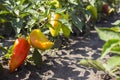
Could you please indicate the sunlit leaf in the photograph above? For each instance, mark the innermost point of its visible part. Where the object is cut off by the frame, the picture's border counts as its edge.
(22, 1)
(107, 34)
(73, 2)
(93, 11)
(109, 45)
(66, 31)
(92, 2)
(55, 3)
(113, 62)
(92, 63)
(61, 10)
(17, 25)
(116, 22)
(22, 15)
(116, 29)
(116, 49)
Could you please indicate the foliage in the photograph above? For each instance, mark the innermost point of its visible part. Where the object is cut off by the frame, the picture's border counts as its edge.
(35, 59)
(92, 63)
(19, 51)
(110, 33)
(25, 15)
(112, 45)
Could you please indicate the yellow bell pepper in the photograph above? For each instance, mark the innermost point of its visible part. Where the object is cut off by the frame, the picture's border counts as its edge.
(39, 40)
(56, 25)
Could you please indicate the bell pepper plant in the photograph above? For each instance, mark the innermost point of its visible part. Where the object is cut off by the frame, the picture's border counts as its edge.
(21, 48)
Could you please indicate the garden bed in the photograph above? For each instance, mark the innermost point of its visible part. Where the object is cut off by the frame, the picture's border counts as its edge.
(61, 37)
(63, 63)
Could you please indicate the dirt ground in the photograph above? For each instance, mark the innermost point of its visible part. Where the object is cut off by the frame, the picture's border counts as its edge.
(63, 64)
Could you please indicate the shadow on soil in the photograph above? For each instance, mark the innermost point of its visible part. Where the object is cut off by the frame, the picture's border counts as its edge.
(50, 70)
(63, 65)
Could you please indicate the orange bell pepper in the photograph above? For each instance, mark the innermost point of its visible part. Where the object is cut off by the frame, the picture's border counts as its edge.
(54, 30)
(20, 50)
(39, 40)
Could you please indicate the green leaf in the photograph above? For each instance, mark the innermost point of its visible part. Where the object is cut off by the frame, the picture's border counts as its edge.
(9, 52)
(118, 78)
(5, 16)
(65, 16)
(60, 10)
(108, 46)
(116, 22)
(93, 11)
(116, 49)
(107, 34)
(113, 62)
(116, 29)
(22, 1)
(2, 37)
(3, 49)
(77, 22)
(92, 63)
(37, 58)
(92, 2)
(22, 15)
(2, 7)
(17, 25)
(73, 2)
(2, 20)
(99, 4)
(66, 31)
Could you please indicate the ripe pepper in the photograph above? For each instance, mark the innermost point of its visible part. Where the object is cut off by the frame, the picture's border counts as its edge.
(56, 25)
(107, 9)
(20, 50)
(39, 40)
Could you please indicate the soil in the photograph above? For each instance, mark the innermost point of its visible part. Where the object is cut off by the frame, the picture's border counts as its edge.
(63, 64)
